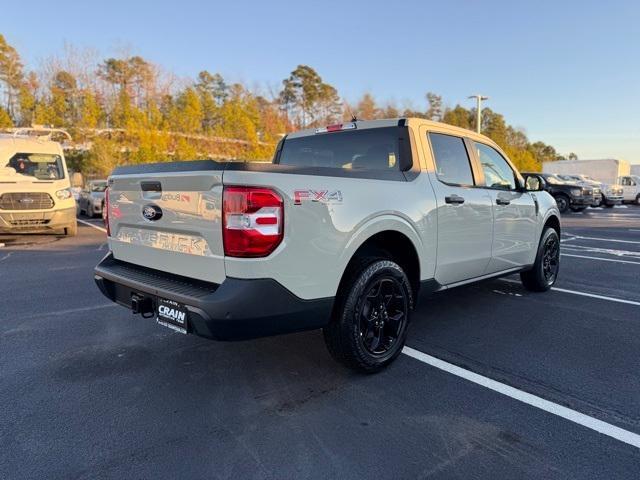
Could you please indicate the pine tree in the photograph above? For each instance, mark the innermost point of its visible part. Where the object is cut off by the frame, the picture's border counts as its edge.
(11, 75)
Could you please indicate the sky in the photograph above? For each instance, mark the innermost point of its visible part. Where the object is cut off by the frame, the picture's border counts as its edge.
(567, 72)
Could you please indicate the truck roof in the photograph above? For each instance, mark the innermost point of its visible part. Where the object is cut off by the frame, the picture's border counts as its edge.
(391, 122)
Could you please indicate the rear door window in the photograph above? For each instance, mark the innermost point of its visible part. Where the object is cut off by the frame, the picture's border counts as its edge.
(451, 159)
(384, 148)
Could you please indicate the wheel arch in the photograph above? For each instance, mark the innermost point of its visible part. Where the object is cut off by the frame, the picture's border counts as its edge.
(392, 244)
(554, 222)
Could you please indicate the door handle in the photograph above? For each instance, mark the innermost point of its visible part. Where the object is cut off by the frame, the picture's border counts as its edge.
(454, 199)
(502, 201)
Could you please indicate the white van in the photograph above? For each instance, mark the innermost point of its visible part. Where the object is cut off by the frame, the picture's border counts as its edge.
(35, 193)
(631, 188)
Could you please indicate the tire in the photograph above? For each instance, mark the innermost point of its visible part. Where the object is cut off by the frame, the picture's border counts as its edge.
(637, 202)
(547, 265)
(362, 333)
(71, 230)
(563, 203)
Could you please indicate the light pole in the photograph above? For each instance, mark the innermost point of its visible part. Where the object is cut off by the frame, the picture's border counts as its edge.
(479, 99)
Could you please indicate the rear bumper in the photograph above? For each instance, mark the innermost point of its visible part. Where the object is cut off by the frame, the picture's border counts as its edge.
(236, 309)
(36, 221)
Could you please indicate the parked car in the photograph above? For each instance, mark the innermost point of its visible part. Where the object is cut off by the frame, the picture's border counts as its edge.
(91, 201)
(35, 192)
(631, 188)
(568, 195)
(584, 180)
(610, 195)
(607, 170)
(348, 227)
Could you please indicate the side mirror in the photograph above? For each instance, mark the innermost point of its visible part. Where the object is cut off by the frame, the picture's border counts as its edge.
(533, 184)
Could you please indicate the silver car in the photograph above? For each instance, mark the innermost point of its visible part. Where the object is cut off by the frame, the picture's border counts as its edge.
(91, 199)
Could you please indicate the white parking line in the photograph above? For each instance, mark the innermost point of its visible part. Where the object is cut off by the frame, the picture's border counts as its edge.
(93, 225)
(599, 258)
(579, 237)
(591, 423)
(583, 294)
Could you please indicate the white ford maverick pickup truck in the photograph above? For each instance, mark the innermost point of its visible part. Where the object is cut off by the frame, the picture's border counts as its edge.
(345, 230)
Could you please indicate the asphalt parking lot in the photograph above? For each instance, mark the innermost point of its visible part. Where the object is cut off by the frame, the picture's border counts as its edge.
(506, 383)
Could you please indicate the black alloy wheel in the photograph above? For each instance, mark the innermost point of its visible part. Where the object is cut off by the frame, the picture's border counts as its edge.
(371, 317)
(383, 315)
(544, 272)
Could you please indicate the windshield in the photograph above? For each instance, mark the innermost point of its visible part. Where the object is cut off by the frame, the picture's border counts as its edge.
(554, 179)
(42, 166)
(567, 178)
(98, 186)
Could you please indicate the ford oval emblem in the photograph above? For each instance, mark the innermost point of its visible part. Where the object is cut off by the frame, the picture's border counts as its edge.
(152, 212)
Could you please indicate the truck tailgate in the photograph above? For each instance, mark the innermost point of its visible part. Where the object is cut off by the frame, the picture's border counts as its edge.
(169, 219)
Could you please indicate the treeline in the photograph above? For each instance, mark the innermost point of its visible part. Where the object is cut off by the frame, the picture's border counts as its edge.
(127, 110)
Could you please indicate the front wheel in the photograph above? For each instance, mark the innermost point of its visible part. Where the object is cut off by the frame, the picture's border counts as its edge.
(545, 269)
(563, 203)
(369, 324)
(71, 230)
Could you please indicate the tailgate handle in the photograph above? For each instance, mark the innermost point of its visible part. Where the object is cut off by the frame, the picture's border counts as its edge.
(151, 186)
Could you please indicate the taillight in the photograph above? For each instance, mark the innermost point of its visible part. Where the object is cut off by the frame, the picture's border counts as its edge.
(252, 221)
(105, 211)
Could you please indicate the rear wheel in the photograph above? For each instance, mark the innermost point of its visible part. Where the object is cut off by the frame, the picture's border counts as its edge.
(545, 269)
(563, 203)
(369, 324)
(638, 199)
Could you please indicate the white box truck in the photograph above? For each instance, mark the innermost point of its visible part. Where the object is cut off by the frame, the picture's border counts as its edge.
(607, 170)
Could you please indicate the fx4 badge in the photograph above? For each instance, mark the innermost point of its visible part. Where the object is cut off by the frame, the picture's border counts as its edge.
(321, 196)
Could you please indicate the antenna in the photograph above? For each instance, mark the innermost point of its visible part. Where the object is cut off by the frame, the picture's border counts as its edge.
(353, 116)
